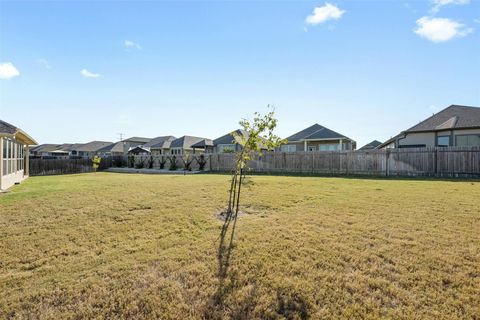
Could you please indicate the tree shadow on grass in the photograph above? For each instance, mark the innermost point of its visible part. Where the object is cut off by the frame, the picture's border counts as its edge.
(217, 304)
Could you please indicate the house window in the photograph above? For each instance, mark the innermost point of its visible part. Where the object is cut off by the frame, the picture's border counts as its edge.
(329, 147)
(443, 141)
(5, 156)
(312, 148)
(226, 148)
(467, 140)
(288, 148)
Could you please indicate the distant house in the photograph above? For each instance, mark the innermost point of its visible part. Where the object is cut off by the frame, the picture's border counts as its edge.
(453, 126)
(159, 145)
(183, 145)
(230, 142)
(318, 138)
(370, 146)
(133, 142)
(14, 155)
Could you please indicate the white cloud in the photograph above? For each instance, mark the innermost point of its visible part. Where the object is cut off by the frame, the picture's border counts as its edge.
(440, 29)
(325, 13)
(89, 74)
(44, 63)
(8, 70)
(437, 4)
(131, 45)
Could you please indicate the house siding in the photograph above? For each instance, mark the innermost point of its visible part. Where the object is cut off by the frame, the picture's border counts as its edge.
(429, 138)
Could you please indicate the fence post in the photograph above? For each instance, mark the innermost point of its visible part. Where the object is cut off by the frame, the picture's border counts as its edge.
(435, 161)
(387, 156)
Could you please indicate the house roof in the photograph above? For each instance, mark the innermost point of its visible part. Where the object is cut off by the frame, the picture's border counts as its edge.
(185, 142)
(203, 144)
(93, 146)
(316, 132)
(452, 117)
(229, 138)
(46, 147)
(160, 142)
(137, 139)
(372, 145)
(114, 147)
(9, 129)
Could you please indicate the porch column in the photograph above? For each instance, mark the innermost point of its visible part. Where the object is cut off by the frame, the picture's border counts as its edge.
(305, 145)
(26, 165)
(341, 144)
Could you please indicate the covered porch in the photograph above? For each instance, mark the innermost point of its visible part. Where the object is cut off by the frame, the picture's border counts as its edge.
(14, 155)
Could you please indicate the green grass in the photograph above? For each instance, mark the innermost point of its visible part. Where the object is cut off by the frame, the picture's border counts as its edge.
(145, 246)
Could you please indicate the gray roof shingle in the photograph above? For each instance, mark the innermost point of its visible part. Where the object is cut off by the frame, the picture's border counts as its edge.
(372, 145)
(7, 128)
(203, 144)
(160, 142)
(229, 138)
(185, 142)
(452, 117)
(316, 132)
(137, 139)
(93, 146)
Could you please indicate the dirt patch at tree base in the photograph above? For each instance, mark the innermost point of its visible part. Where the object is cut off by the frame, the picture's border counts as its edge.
(222, 214)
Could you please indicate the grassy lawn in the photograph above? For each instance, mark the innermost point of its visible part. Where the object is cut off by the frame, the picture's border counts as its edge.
(145, 246)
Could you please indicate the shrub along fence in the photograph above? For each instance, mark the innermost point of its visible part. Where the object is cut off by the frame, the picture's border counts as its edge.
(434, 162)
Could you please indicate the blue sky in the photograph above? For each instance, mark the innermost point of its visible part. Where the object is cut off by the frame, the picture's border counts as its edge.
(81, 71)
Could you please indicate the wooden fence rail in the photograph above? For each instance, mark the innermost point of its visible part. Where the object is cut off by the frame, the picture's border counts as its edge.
(435, 162)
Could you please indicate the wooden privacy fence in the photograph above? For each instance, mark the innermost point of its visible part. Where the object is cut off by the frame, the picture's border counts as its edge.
(435, 162)
(43, 167)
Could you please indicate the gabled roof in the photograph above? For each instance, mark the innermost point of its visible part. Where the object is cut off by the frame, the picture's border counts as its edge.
(203, 144)
(229, 138)
(137, 139)
(9, 129)
(139, 149)
(372, 145)
(185, 142)
(316, 132)
(452, 117)
(160, 142)
(93, 146)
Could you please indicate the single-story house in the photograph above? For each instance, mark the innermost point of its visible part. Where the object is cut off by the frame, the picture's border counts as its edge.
(183, 145)
(159, 145)
(370, 146)
(455, 125)
(14, 155)
(317, 138)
